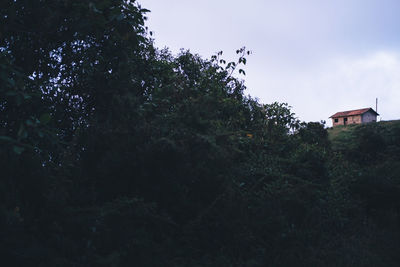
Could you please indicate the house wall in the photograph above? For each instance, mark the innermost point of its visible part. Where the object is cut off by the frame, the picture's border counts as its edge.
(350, 120)
(368, 117)
(355, 119)
(340, 122)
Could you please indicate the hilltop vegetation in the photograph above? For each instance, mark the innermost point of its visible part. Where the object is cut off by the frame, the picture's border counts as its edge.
(115, 153)
(380, 133)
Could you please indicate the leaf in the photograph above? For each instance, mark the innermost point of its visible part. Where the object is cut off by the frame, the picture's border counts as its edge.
(242, 71)
(26, 96)
(18, 150)
(11, 82)
(22, 133)
(45, 118)
(93, 8)
(11, 93)
(29, 122)
(120, 17)
(7, 139)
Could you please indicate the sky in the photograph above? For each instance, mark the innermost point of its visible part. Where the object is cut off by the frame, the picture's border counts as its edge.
(319, 56)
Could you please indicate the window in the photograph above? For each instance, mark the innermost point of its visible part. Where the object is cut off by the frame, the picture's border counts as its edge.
(345, 119)
(336, 120)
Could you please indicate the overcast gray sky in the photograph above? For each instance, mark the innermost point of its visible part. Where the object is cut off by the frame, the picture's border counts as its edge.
(320, 56)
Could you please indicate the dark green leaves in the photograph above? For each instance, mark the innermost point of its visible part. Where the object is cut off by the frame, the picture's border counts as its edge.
(112, 152)
(18, 150)
(7, 139)
(45, 118)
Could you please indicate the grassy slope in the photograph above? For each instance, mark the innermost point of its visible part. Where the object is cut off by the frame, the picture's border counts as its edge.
(343, 136)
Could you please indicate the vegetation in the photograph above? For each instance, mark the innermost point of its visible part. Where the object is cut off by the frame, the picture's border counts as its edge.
(115, 153)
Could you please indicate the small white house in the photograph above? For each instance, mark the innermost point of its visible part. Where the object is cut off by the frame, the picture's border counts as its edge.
(357, 116)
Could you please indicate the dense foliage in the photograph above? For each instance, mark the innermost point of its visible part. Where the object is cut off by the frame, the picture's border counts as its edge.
(114, 153)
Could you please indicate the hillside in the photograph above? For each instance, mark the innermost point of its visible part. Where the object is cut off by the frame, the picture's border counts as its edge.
(114, 153)
(365, 161)
(345, 137)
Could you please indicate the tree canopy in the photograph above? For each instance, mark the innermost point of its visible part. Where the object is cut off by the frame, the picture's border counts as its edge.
(116, 153)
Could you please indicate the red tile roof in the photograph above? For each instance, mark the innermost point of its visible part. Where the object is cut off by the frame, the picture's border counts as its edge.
(352, 112)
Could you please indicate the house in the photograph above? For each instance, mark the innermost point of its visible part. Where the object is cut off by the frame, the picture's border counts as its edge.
(357, 116)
